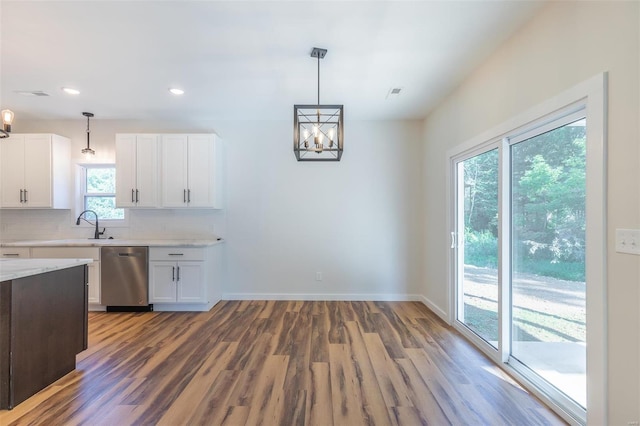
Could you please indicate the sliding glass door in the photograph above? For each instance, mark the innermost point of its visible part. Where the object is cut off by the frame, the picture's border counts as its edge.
(519, 241)
(477, 236)
(548, 288)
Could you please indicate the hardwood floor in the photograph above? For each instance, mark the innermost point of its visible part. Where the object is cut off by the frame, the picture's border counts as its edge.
(281, 363)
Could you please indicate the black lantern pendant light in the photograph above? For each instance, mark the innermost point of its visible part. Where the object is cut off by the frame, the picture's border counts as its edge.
(318, 129)
(88, 151)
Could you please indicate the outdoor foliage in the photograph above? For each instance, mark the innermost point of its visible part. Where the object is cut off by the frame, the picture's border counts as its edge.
(101, 188)
(481, 248)
(548, 205)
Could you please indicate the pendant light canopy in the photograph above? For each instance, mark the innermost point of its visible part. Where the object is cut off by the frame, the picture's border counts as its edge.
(88, 151)
(318, 129)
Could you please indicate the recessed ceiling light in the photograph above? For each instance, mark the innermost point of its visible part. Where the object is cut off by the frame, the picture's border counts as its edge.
(71, 91)
(177, 91)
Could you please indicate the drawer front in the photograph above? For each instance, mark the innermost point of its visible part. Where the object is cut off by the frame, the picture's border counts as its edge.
(176, 254)
(66, 252)
(15, 252)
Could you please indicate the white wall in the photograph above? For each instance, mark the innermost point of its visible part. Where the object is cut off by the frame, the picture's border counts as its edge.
(565, 44)
(357, 221)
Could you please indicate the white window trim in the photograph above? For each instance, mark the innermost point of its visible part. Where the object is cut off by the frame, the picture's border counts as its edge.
(591, 93)
(79, 204)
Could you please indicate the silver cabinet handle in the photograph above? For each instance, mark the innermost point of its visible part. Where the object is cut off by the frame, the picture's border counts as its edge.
(11, 254)
(25, 196)
(132, 199)
(173, 273)
(453, 240)
(176, 254)
(178, 274)
(21, 199)
(188, 195)
(184, 195)
(137, 198)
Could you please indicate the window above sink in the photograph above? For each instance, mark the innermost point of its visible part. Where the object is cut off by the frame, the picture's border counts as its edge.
(96, 190)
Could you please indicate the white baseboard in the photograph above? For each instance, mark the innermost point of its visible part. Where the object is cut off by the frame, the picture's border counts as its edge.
(384, 297)
(179, 307)
(435, 309)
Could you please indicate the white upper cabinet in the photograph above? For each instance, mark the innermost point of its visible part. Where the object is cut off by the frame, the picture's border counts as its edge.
(137, 170)
(191, 172)
(35, 171)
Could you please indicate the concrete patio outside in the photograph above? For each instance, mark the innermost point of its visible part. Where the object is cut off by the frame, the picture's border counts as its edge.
(549, 316)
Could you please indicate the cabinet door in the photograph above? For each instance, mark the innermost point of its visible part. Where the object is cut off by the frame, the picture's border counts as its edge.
(94, 282)
(147, 171)
(201, 170)
(162, 282)
(125, 170)
(191, 283)
(37, 171)
(11, 171)
(174, 171)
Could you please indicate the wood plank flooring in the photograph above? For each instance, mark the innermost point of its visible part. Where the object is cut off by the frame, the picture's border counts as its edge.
(281, 363)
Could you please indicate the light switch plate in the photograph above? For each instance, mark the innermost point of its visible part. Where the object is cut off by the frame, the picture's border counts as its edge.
(628, 241)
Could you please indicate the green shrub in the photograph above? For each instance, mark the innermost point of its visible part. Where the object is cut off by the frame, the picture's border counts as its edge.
(570, 271)
(481, 248)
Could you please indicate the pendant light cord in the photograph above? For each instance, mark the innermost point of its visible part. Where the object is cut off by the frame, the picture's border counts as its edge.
(318, 79)
(88, 131)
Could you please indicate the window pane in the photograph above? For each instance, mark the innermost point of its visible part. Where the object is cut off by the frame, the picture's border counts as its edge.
(548, 257)
(478, 251)
(105, 207)
(101, 180)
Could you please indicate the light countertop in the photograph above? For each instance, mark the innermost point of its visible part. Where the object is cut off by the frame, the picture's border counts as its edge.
(115, 242)
(12, 269)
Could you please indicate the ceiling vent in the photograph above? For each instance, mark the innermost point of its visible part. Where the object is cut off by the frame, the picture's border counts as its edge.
(394, 92)
(31, 93)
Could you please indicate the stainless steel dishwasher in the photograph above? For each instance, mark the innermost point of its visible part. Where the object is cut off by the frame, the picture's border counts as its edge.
(124, 278)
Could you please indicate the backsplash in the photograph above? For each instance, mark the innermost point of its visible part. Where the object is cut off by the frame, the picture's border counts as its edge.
(22, 224)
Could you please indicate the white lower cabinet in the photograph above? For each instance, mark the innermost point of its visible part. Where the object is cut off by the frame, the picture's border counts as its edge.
(178, 275)
(76, 253)
(94, 282)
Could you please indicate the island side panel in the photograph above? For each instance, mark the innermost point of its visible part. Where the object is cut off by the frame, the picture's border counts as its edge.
(5, 342)
(48, 329)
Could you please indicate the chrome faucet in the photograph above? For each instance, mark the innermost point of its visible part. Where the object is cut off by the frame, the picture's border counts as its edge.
(97, 234)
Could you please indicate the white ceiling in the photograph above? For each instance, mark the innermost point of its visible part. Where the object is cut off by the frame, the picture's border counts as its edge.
(243, 59)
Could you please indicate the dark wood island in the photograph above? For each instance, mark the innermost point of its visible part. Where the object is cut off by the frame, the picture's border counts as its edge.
(43, 323)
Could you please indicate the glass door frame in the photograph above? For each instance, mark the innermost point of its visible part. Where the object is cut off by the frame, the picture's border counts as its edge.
(591, 96)
(568, 115)
(457, 237)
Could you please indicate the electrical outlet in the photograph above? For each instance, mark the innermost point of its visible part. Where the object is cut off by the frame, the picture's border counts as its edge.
(628, 241)
(318, 276)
